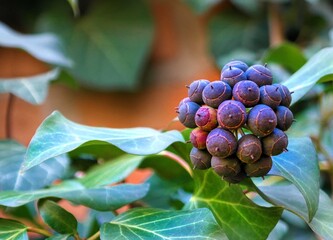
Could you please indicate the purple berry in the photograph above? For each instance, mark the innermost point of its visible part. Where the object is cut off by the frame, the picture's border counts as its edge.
(260, 168)
(246, 92)
(236, 64)
(275, 143)
(231, 114)
(285, 95)
(249, 148)
(195, 90)
(226, 167)
(186, 114)
(270, 96)
(221, 143)
(200, 159)
(284, 117)
(206, 118)
(261, 120)
(232, 75)
(215, 93)
(235, 179)
(259, 74)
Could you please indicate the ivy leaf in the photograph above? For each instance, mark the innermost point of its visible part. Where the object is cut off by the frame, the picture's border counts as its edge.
(32, 89)
(290, 198)
(300, 166)
(57, 218)
(12, 230)
(11, 159)
(45, 47)
(147, 223)
(238, 216)
(312, 72)
(112, 171)
(102, 198)
(109, 45)
(286, 54)
(200, 6)
(58, 135)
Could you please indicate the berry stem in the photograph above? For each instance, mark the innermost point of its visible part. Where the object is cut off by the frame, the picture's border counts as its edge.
(95, 236)
(177, 159)
(240, 130)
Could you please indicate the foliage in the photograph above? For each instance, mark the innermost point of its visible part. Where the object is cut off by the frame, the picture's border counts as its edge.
(175, 201)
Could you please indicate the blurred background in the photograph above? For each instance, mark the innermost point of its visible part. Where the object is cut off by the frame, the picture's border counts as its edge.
(130, 60)
(126, 63)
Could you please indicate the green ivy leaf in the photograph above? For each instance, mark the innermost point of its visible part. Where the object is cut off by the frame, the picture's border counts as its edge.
(57, 218)
(12, 230)
(146, 223)
(58, 135)
(286, 54)
(312, 72)
(11, 159)
(290, 198)
(45, 47)
(32, 89)
(200, 6)
(238, 216)
(300, 166)
(109, 45)
(112, 171)
(102, 198)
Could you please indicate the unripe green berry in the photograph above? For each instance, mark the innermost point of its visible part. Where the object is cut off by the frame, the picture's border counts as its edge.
(275, 143)
(200, 159)
(284, 117)
(221, 143)
(232, 76)
(231, 114)
(246, 92)
(270, 96)
(198, 138)
(215, 93)
(260, 168)
(226, 167)
(195, 90)
(235, 64)
(249, 148)
(259, 74)
(285, 95)
(186, 114)
(206, 118)
(261, 120)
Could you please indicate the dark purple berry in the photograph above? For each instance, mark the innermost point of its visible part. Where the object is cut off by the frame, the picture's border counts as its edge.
(260, 168)
(235, 179)
(236, 64)
(261, 120)
(184, 100)
(249, 148)
(221, 143)
(215, 93)
(232, 75)
(206, 118)
(270, 96)
(231, 114)
(275, 143)
(284, 117)
(195, 90)
(200, 159)
(259, 74)
(198, 138)
(226, 167)
(246, 92)
(285, 95)
(186, 114)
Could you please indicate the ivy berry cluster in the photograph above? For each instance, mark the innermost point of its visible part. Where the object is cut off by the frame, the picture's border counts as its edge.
(243, 100)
